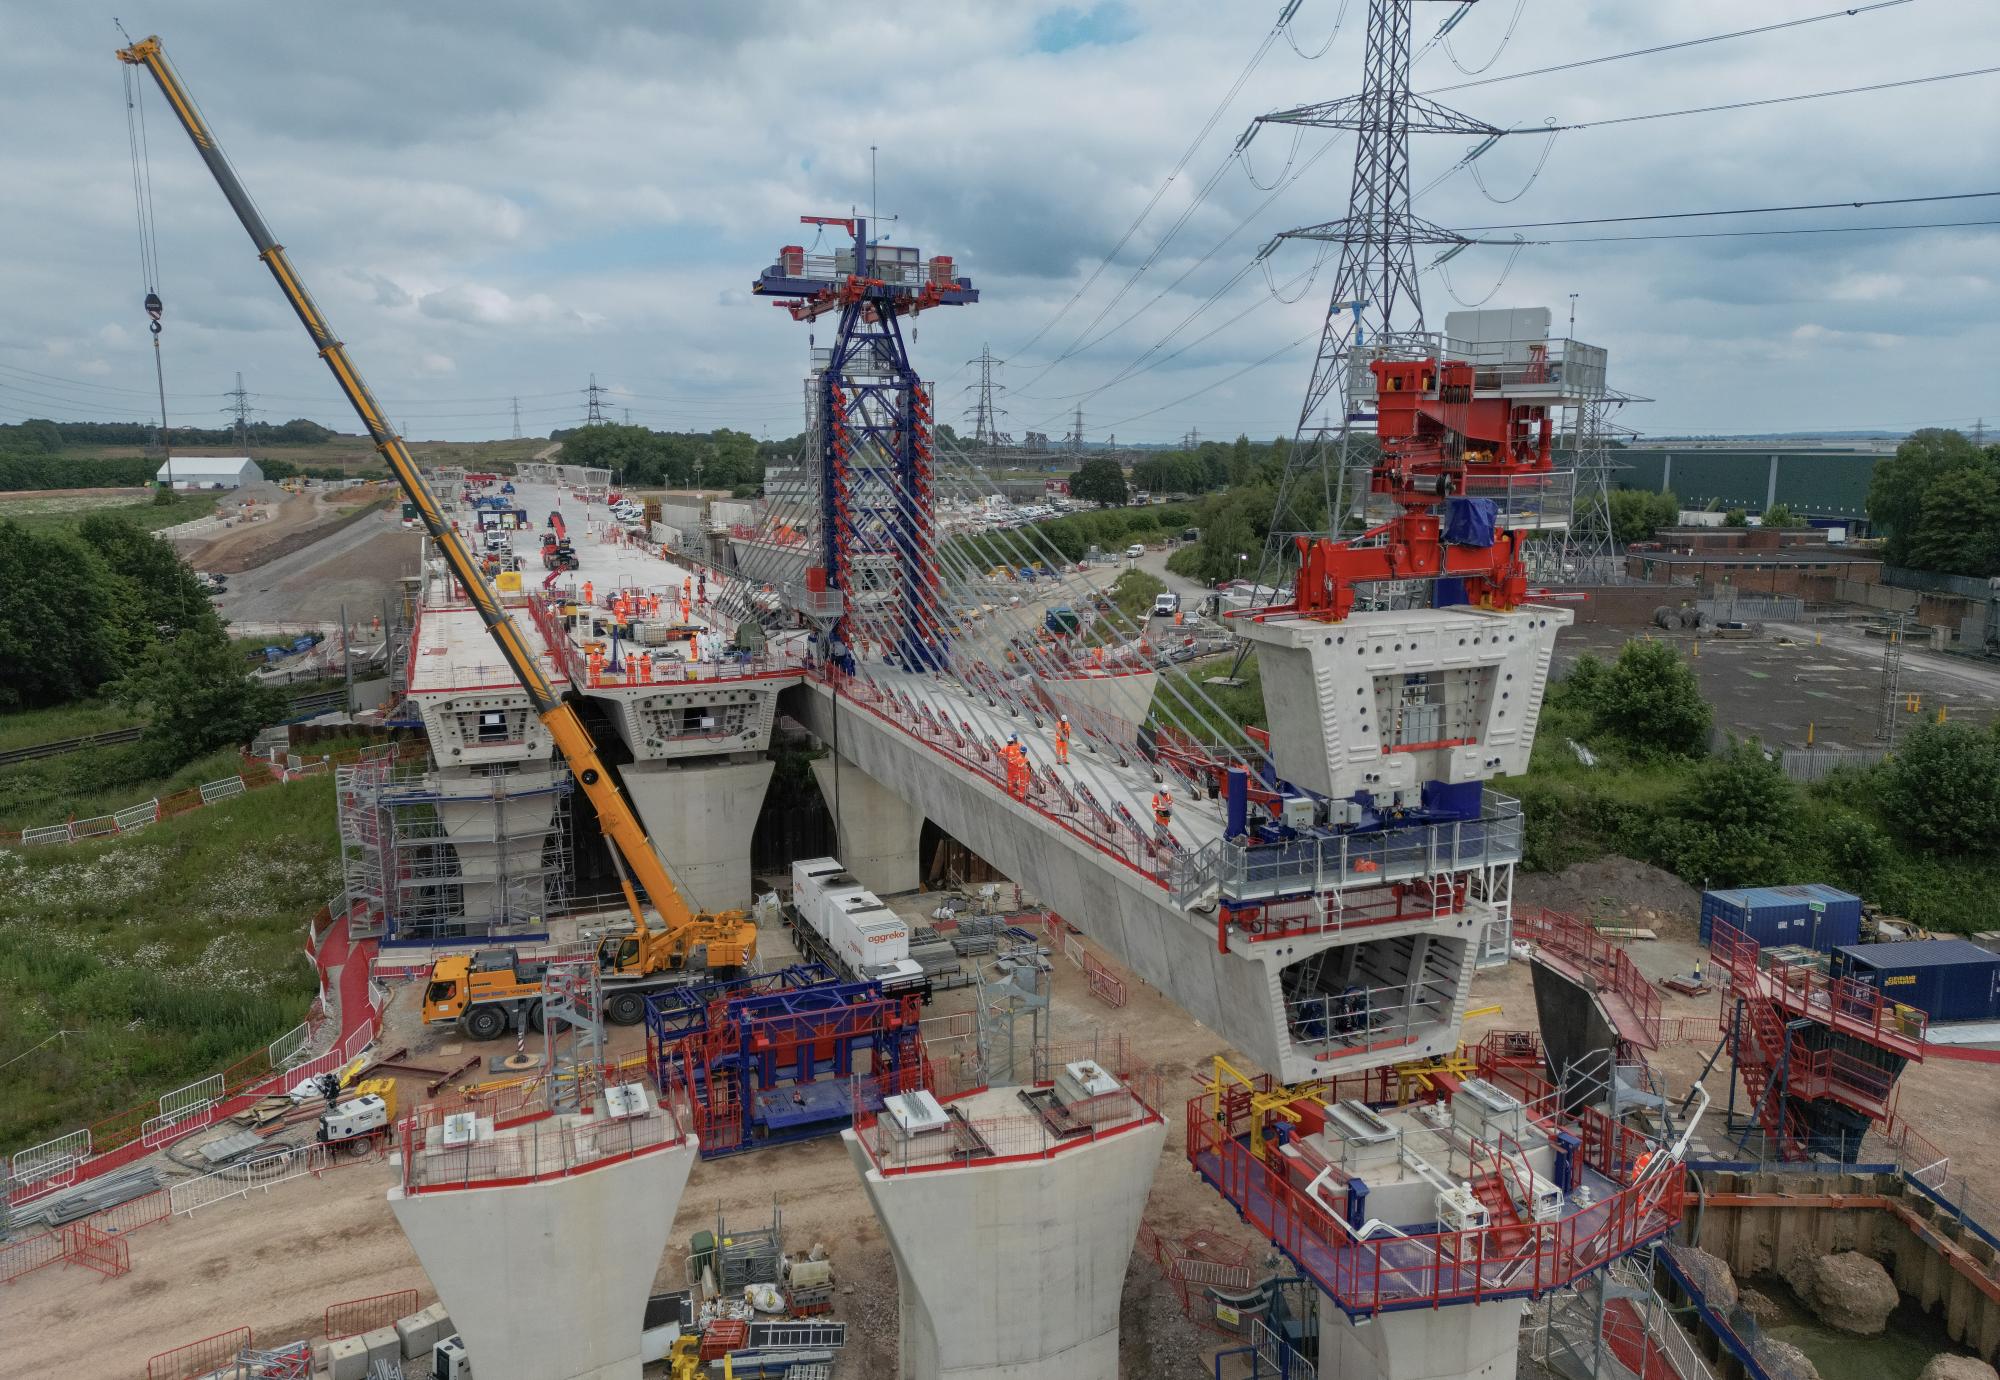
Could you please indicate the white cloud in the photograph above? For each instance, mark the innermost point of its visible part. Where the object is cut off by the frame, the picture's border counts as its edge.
(553, 192)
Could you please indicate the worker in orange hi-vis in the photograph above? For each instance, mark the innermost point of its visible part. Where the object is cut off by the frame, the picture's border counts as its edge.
(1062, 740)
(1163, 807)
(645, 668)
(686, 612)
(589, 592)
(596, 666)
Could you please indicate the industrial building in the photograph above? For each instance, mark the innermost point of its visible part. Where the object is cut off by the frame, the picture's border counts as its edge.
(210, 472)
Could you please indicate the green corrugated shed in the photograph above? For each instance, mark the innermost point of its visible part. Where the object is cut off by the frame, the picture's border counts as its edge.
(1812, 483)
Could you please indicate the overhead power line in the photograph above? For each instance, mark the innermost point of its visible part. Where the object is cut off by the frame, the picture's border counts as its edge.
(1768, 100)
(1754, 234)
(1665, 47)
(1739, 211)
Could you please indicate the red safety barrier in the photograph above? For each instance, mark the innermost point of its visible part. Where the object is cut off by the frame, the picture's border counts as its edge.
(85, 1245)
(356, 1316)
(1104, 984)
(196, 1359)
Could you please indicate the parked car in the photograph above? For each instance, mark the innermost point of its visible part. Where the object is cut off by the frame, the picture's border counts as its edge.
(1135, 551)
(1166, 604)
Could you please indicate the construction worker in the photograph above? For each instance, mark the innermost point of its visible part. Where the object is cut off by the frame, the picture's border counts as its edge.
(686, 612)
(645, 668)
(1163, 807)
(589, 592)
(596, 665)
(1062, 740)
(701, 590)
(1016, 761)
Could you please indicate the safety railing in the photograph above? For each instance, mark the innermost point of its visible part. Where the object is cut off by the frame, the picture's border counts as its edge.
(527, 1152)
(1603, 963)
(1801, 989)
(1334, 1024)
(999, 1127)
(1326, 862)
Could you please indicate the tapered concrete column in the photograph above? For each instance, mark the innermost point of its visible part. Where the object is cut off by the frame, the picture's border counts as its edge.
(1014, 1271)
(878, 829)
(701, 816)
(1467, 1341)
(548, 1280)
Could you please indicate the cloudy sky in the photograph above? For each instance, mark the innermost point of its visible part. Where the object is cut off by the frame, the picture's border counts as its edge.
(498, 200)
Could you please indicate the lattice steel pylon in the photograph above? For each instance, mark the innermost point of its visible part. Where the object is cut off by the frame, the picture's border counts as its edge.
(985, 414)
(1375, 284)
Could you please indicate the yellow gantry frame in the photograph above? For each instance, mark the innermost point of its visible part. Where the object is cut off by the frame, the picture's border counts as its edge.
(571, 738)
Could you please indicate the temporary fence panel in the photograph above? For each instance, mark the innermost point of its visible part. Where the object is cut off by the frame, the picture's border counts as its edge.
(288, 1046)
(240, 1180)
(137, 816)
(196, 1359)
(85, 1245)
(356, 1316)
(48, 833)
(165, 1130)
(18, 1258)
(212, 791)
(195, 1095)
(50, 1165)
(97, 827)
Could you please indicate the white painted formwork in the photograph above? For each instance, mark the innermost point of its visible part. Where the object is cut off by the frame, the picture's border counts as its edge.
(1014, 1271)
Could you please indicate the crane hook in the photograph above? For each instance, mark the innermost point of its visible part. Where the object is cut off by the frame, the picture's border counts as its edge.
(153, 309)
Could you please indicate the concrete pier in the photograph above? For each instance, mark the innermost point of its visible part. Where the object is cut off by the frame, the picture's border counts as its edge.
(878, 829)
(1011, 1269)
(701, 815)
(1475, 1341)
(542, 1240)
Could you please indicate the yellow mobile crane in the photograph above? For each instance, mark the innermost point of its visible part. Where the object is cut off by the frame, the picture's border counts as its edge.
(483, 997)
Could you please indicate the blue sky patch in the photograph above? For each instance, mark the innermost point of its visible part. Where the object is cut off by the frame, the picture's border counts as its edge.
(1102, 25)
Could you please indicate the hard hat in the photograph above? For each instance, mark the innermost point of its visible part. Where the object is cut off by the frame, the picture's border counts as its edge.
(1065, 718)
(1013, 737)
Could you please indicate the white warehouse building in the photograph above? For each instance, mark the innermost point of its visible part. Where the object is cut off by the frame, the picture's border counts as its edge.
(210, 472)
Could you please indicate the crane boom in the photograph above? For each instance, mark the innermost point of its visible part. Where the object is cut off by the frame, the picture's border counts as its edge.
(726, 934)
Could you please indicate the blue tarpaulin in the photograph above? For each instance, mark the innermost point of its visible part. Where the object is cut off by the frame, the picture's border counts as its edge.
(1469, 521)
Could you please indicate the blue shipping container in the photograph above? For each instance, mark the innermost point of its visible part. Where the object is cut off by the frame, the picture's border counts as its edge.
(1778, 915)
(1948, 979)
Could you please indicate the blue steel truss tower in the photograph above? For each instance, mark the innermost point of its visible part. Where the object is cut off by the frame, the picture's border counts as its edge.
(872, 440)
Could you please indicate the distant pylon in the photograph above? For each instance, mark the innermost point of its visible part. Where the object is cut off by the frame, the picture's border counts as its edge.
(239, 408)
(983, 414)
(517, 419)
(595, 415)
(1075, 438)
(1375, 284)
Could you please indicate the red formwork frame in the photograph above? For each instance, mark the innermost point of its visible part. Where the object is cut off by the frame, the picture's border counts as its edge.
(192, 1360)
(353, 1317)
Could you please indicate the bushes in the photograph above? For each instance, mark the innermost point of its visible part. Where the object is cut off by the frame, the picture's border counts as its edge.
(1647, 702)
(28, 470)
(1942, 789)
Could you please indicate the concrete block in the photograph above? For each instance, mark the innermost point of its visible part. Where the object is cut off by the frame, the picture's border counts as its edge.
(347, 1359)
(383, 1345)
(418, 1333)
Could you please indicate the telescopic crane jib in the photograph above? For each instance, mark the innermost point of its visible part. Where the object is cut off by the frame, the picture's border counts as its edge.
(729, 939)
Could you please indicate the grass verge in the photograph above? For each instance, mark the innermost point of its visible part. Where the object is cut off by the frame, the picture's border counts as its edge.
(163, 956)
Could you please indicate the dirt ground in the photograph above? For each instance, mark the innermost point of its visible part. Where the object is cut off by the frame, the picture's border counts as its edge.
(275, 1260)
(294, 521)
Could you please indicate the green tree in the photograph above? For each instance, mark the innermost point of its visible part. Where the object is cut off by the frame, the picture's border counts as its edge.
(1735, 822)
(157, 585)
(60, 626)
(1636, 514)
(1099, 481)
(198, 696)
(1958, 524)
(1897, 489)
(1780, 516)
(1941, 790)
(1650, 701)
(42, 435)
(1735, 517)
